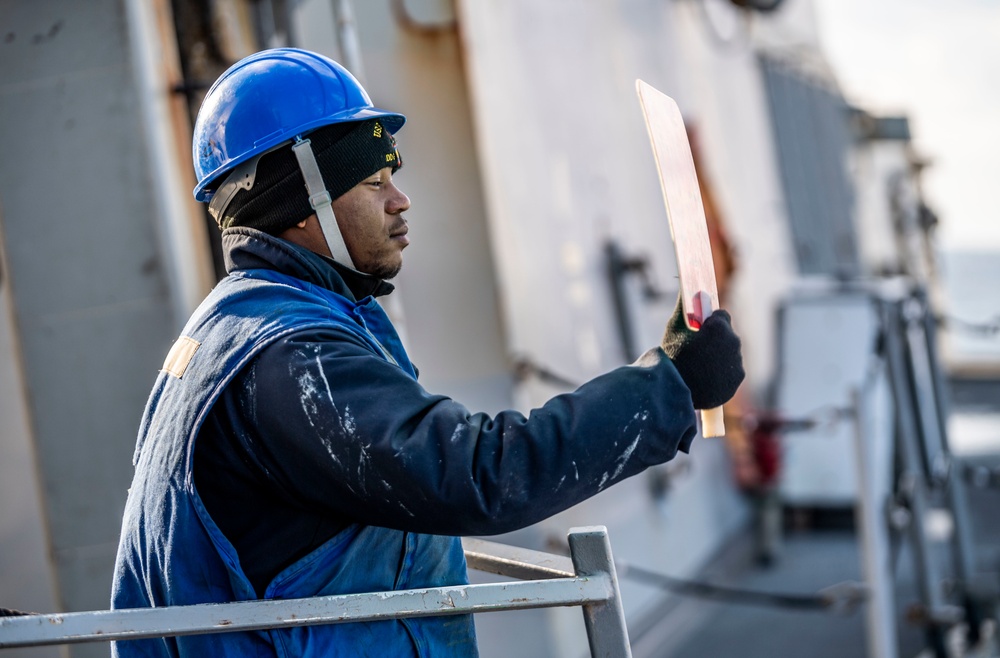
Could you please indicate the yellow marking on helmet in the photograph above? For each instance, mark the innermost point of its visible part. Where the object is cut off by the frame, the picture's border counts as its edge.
(378, 130)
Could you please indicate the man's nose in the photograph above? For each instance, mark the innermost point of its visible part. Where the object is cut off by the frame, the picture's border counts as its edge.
(398, 202)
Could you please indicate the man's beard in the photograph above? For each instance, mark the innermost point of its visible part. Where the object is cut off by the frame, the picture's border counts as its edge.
(386, 270)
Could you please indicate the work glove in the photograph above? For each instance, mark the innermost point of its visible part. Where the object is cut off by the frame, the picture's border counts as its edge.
(709, 360)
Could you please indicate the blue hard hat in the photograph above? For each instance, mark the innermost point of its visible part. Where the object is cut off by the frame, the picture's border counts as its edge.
(269, 98)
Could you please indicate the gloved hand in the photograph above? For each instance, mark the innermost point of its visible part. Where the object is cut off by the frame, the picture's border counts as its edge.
(709, 360)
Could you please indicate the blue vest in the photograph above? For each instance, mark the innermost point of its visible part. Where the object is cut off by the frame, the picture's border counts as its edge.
(172, 552)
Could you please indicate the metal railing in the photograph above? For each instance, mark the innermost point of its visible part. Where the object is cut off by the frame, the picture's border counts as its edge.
(587, 578)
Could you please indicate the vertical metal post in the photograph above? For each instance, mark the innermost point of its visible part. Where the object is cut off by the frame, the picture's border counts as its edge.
(164, 119)
(930, 429)
(607, 634)
(618, 268)
(913, 483)
(874, 469)
(923, 347)
(347, 37)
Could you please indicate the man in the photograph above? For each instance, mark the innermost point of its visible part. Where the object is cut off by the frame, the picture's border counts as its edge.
(287, 449)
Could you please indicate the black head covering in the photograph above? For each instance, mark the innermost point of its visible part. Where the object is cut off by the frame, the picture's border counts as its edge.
(347, 153)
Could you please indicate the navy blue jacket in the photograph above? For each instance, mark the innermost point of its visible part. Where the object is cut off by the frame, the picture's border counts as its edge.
(420, 461)
(319, 433)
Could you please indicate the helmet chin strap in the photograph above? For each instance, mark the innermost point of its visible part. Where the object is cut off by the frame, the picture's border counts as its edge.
(321, 202)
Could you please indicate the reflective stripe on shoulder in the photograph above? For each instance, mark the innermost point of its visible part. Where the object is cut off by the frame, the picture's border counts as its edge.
(180, 355)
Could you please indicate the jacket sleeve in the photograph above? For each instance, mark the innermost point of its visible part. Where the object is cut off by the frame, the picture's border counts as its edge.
(341, 429)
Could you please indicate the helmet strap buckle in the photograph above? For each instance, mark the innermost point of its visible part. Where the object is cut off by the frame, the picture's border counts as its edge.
(321, 199)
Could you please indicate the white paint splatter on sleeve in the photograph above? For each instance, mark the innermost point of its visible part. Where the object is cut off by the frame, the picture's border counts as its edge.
(625, 456)
(329, 393)
(308, 391)
(604, 478)
(348, 421)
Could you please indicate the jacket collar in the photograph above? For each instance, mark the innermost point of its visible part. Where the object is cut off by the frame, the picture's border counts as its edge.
(249, 249)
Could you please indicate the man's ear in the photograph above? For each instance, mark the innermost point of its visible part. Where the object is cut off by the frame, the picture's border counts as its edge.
(309, 235)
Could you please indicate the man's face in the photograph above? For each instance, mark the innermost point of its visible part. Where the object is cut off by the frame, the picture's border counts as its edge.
(370, 216)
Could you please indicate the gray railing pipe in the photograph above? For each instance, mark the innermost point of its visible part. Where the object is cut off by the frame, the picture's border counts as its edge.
(586, 579)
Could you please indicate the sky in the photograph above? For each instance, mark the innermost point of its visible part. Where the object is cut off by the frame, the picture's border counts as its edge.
(938, 62)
